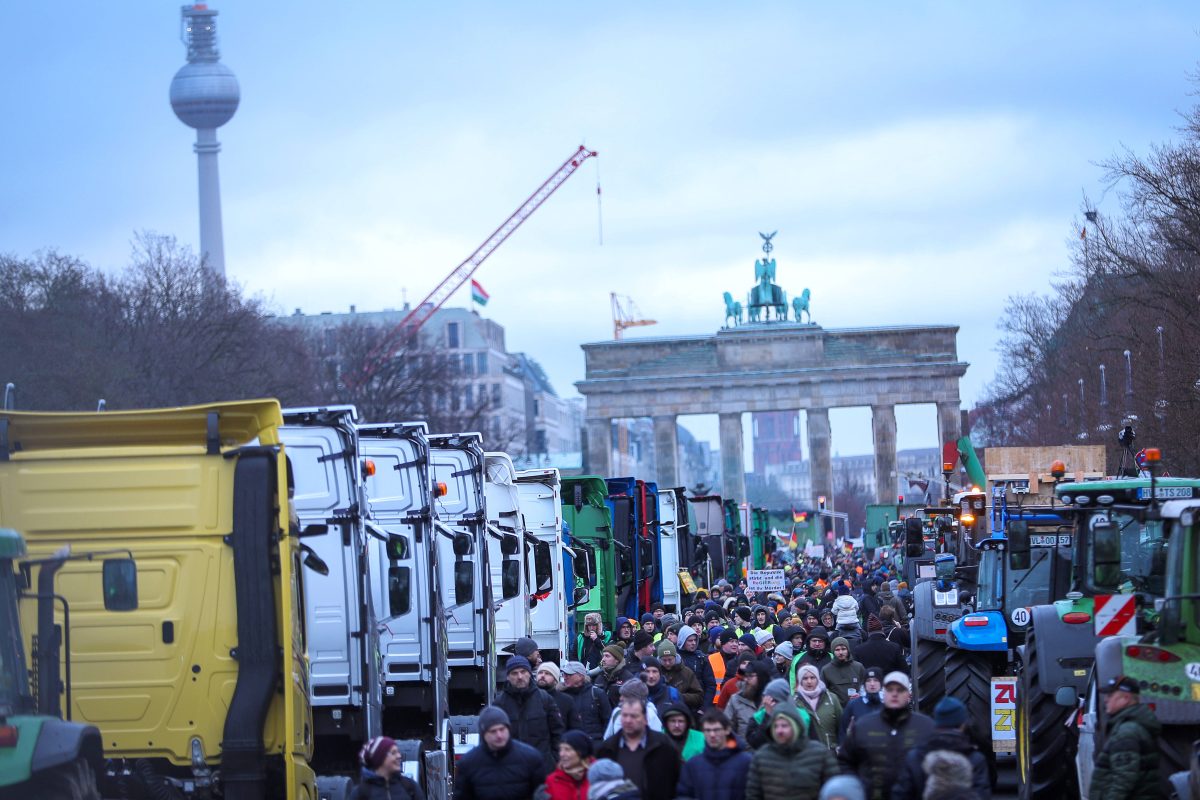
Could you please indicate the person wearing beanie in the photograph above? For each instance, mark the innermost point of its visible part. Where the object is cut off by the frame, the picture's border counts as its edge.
(842, 787)
(844, 676)
(649, 624)
(382, 776)
(869, 701)
(950, 720)
(792, 766)
(679, 728)
(679, 677)
(782, 657)
(886, 596)
(822, 705)
(641, 648)
(500, 768)
(660, 692)
(614, 671)
(877, 651)
(607, 781)
(758, 732)
(534, 716)
(695, 659)
(570, 780)
(753, 677)
(743, 619)
(528, 648)
(749, 643)
(591, 642)
(817, 654)
(549, 677)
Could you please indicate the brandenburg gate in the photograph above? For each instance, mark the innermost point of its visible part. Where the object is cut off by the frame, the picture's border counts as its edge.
(771, 364)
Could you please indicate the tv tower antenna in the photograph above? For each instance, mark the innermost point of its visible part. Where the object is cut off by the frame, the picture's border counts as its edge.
(205, 95)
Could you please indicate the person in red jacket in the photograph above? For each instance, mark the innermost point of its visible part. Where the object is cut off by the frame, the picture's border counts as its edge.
(570, 780)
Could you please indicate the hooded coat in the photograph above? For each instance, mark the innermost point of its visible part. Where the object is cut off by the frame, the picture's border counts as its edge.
(1127, 767)
(794, 770)
(741, 708)
(716, 774)
(948, 776)
(684, 680)
(912, 781)
(697, 662)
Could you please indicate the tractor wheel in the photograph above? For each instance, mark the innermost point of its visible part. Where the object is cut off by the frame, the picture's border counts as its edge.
(969, 680)
(929, 674)
(1045, 761)
(72, 781)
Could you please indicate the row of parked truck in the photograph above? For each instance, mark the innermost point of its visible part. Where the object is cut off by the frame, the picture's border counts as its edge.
(228, 600)
(1024, 606)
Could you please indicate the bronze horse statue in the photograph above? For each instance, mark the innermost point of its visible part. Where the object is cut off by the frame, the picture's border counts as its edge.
(800, 305)
(733, 309)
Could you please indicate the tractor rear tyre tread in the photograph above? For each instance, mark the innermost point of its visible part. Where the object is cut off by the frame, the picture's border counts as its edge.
(969, 679)
(1047, 771)
(929, 671)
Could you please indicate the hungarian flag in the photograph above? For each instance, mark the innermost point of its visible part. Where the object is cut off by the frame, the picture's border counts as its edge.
(478, 295)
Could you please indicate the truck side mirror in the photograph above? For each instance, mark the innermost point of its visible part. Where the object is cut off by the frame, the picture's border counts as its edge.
(1106, 553)
(314, 561)
(464, 582)
(510, 579)
(510, 545)
(914, 537)
(397, 547)
(1018, 544)
(582, 595)
(462, 544)
(120, 584)
(1065, 696)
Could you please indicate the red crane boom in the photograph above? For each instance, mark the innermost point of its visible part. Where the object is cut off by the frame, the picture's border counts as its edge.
(420, 314)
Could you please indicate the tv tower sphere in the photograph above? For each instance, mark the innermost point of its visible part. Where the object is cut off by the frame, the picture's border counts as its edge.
(205, 95)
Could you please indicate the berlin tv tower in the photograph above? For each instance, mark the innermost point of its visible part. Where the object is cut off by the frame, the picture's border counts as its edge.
(204, 95)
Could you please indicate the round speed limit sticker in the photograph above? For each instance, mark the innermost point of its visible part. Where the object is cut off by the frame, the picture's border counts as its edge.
(1019, 617)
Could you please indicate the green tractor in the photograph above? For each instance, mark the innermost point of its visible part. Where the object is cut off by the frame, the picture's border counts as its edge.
(41, 755)
(1119, 550)
(1164, 656)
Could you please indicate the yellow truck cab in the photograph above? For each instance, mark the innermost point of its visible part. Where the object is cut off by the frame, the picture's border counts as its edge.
(202, 689)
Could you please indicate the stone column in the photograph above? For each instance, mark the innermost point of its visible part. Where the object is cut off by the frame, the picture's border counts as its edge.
(666, 452)
(820, 473)
(599, 447)
(883, 432)
(949, 422)
(733, 464)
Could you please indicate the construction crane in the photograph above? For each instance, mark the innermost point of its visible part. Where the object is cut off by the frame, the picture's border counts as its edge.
(420, 314)
(625, 314)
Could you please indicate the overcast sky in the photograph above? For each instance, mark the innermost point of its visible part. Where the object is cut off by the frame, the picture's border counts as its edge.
(921, 161)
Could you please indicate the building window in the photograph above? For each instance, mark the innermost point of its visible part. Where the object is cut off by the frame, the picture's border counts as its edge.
(468, 364)
(452, 334)
(481, 363)
(536, 407)
(496, 395)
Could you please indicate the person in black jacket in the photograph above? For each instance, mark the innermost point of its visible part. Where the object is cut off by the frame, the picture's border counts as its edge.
(877, 651)
(718, 773)
(950, 717)
(648, 758)
(869, 701)
(533, 714)
(549, 679)
(592, 708)
(877, 744)
(382, 778)
(500, 768)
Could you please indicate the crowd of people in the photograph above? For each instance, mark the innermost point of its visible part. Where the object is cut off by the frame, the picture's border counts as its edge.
(797, 695)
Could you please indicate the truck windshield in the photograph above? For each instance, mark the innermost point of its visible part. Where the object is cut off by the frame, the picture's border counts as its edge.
(990, 593)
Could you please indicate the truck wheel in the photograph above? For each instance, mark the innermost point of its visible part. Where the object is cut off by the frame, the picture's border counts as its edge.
(72, 781)
(928, 670)
(1047, 771)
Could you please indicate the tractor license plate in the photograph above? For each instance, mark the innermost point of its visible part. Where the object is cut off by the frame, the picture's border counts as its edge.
(1166, 492)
